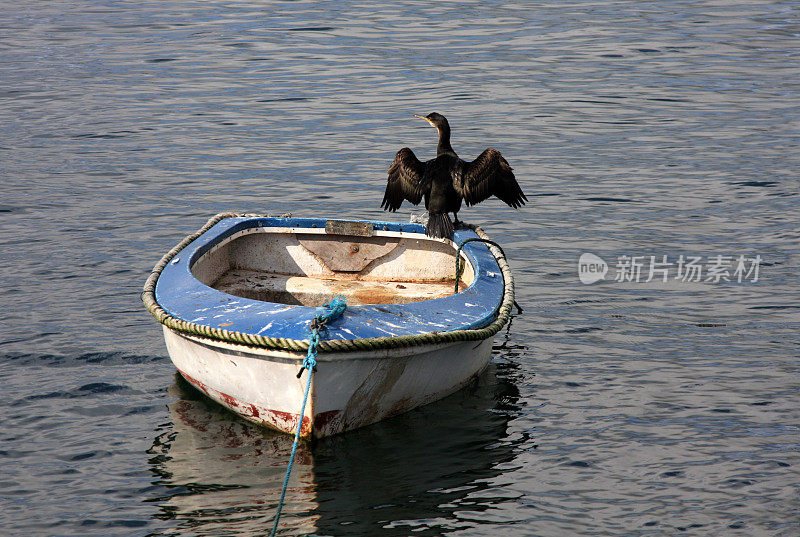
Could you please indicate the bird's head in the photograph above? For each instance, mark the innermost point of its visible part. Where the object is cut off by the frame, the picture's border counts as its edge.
(437, 120)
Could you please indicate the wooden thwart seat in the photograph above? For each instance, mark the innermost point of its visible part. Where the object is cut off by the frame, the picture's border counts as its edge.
(315, 291)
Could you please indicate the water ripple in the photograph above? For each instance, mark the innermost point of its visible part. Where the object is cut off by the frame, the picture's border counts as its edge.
(636, 128)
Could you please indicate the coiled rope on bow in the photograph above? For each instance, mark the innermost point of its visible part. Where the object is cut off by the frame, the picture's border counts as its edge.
(330, 311)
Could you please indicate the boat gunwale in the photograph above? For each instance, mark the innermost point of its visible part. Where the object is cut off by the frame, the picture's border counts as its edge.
(496, 320)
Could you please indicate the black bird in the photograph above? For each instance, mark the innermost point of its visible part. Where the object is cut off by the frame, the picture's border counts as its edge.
(447, 180)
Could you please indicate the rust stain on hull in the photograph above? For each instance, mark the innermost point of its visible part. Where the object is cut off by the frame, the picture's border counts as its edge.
(324, 420)
(282, 421)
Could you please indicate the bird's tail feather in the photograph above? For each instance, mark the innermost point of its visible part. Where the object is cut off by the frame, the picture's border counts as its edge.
(439, 225)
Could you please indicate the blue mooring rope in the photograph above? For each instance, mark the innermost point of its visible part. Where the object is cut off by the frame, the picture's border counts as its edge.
(330, 311)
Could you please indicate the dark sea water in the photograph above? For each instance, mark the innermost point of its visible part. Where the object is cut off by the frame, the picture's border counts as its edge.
(638, 129)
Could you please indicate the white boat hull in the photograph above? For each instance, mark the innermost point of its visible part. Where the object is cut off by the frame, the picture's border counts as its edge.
(349, 390)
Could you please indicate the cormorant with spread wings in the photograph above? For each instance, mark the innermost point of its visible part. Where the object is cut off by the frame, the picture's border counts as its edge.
(447, 180)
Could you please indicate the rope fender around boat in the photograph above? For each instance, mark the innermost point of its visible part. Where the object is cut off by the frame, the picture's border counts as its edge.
(336, 345)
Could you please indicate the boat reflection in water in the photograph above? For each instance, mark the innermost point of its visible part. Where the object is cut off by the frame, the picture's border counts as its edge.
(223, 475)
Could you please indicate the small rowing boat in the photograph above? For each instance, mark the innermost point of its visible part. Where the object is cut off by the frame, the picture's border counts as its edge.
(236, 299)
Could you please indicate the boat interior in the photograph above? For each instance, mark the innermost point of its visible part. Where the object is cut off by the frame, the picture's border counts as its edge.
(310, 269)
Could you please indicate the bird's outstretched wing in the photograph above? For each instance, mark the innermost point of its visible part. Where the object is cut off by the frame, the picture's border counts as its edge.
(489, 175)
(406, 181)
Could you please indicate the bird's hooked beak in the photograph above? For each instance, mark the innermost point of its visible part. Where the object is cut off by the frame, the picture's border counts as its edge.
(426, 119)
